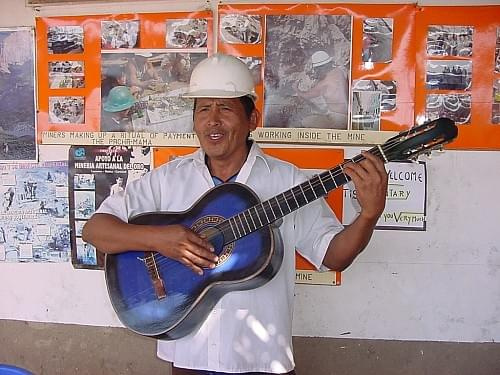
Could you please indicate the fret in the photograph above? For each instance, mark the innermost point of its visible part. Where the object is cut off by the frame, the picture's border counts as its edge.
(279, 206)
(312, 189)
(265, 213)
(327, 181)
(293, 195)
(237, 228)
(246, 220)
(324, 188)
(299, 194)
(232, 230)
(271, 207)
(341, 179)
(286, 201)
(304, 194)
(257, 212)
(332, 177)
(251, 217)
(242, 225)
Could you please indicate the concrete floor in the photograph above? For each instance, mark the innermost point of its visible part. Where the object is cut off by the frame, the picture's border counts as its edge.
(53, 349)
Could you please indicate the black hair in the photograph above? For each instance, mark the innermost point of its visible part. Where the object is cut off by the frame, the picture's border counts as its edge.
(246, 101)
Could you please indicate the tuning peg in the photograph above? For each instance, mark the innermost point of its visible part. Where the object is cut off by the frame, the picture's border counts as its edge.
(428, 154)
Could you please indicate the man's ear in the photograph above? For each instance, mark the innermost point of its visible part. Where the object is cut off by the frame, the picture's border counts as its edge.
(254, 119)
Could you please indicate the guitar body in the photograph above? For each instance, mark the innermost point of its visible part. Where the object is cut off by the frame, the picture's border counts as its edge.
(156, 296)
(188, 298)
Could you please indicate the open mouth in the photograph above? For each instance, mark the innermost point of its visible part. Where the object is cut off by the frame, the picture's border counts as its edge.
(215, 136)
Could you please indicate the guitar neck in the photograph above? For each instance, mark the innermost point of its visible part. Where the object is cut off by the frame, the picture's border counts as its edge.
(267, 212)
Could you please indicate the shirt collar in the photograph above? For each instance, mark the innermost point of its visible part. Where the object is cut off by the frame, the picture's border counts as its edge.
(198, 157)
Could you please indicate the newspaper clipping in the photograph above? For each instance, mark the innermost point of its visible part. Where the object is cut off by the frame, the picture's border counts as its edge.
(96, 172)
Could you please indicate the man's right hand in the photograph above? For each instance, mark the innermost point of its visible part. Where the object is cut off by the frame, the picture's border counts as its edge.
(111, 235)
(182, 244)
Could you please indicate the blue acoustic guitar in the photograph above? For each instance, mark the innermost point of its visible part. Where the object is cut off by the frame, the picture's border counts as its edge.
(154, 295)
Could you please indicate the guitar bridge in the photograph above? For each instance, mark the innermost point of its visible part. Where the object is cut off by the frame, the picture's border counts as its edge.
(156, 280)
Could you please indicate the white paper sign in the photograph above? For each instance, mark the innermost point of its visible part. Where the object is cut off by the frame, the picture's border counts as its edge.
(406, 198)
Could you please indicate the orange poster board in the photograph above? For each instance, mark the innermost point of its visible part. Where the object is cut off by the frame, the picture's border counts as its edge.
(151, 36)
(305, 158)
(479, 132)
(399, 69)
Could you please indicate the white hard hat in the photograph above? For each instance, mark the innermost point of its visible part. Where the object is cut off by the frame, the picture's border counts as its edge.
(221, 76)
(320, 58)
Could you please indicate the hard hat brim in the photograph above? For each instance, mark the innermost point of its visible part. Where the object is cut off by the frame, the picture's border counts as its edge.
(321, 63)
(218, 94)
(117, 108)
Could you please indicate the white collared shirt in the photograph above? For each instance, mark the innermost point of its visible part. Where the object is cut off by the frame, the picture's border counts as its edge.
(247, 331)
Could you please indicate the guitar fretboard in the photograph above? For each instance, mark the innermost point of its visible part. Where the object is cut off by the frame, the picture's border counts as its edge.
(267, 212)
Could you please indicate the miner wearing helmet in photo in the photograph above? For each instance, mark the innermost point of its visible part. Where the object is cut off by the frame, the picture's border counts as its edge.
(328, 93)
(245, 330)
(117, 110)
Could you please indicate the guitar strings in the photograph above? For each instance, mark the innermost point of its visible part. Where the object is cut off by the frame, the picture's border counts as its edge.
(306, 187)
(163, 263)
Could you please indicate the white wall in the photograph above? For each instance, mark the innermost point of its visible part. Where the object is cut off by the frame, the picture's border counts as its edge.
(442, 284)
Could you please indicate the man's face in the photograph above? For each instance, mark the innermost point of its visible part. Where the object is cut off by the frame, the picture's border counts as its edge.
(222, 127)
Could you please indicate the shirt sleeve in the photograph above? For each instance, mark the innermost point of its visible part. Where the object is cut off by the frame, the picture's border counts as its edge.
(315, 226)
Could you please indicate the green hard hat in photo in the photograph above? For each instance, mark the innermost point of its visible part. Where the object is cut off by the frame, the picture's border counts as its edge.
(119, 99)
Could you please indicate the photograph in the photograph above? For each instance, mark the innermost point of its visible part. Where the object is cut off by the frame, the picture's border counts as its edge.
(84, 181)
(454, 106)
(119, 34)
(141, 91)
(365, 110)
(387, 91)
(495, 108)
(66, 74)
(307, 71)
(84, 204)
(448, 75)
(65, 39)
(66, 109)
(240, 29)
(79, 227)
(449, 40)
(187, 33)
(85, 253)
(17, 95)
(497, 52)
(377, 40)
(255, 66)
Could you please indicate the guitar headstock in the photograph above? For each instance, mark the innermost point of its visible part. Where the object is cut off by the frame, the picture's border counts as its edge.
(420, 139)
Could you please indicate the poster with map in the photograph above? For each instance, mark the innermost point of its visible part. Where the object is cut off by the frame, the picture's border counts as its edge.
(34, 221)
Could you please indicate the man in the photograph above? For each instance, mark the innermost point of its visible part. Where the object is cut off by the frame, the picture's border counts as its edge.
(329, 95)
(248, 331)
(140, 73)
(117, 187)
(117, 108)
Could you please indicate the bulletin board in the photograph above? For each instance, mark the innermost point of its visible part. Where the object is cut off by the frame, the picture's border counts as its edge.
(401, 84)
(56, 39)
(305, 158)
(460, 42)
(312, 28)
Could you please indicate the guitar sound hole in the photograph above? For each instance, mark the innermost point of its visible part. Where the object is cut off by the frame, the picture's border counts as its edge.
(206, 226)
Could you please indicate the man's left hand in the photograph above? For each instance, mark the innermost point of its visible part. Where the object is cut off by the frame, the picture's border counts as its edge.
(370, 180)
